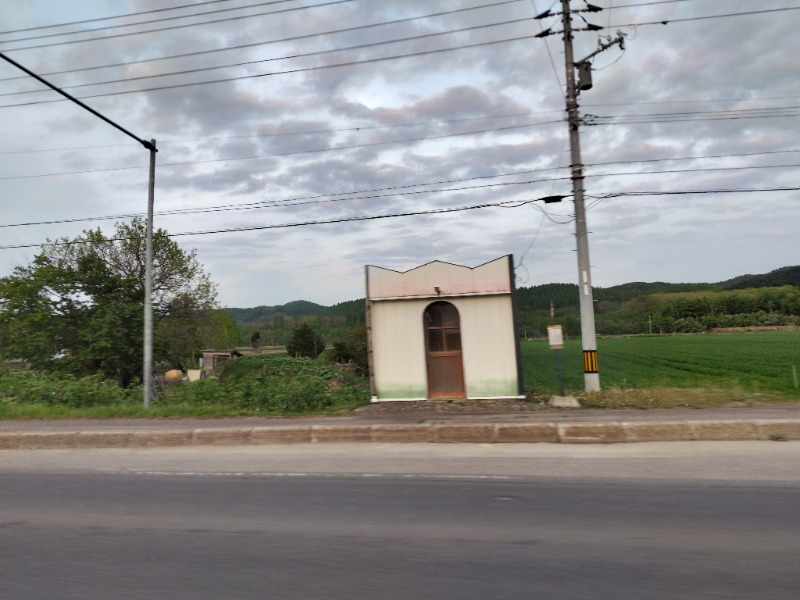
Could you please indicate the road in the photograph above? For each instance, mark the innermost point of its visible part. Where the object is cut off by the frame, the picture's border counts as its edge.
(356, 521)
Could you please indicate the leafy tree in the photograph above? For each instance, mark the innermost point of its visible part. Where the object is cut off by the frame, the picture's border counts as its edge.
(255, 340)
(77, 307)
(353, 349)
(305, 342)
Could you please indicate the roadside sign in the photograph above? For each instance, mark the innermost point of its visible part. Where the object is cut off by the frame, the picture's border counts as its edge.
(555, 336)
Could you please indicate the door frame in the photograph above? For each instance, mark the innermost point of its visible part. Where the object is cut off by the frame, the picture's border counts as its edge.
(445, 353)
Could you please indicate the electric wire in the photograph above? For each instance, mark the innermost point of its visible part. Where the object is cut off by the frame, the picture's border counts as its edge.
(290, 71)
(173, 27)
(500, 204)
(122, 16)
(353, 129)
(327, 198)
(274, 41)
(290, 153)
(413, 38)
(706, 17)
(274, 12)
(161, 20)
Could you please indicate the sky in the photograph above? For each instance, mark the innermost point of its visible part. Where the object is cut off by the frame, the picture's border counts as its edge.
(292, 133)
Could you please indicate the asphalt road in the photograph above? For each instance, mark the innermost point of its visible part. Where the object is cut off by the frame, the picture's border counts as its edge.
(264, 523)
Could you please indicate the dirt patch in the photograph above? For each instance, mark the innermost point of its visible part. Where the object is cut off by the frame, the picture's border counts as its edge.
(438, 407)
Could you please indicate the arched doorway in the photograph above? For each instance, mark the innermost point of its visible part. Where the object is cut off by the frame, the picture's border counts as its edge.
(443, 351)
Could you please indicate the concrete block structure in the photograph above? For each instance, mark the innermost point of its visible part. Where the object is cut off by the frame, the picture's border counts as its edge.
(443, 331)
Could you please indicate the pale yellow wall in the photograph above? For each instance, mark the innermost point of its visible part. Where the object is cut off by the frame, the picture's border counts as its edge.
(398, 349)
(488, 345)
(487, 338)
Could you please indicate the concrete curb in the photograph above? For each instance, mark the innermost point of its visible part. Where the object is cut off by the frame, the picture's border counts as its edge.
(474, 433)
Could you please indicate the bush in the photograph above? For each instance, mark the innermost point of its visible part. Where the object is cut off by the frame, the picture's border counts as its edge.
(272, 385)
(30, 387)
(353, 350)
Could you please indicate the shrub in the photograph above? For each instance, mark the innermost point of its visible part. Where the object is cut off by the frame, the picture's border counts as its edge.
(305, 342)
(353, 350)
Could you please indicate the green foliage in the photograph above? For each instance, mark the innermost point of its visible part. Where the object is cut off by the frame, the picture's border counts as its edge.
(27, 387)
(685, 313)
(77, 307)
(673, 307)
(255, 340)
(353, 350)
(305, 342)
(272, 384)
(776, 278)
(253, 385)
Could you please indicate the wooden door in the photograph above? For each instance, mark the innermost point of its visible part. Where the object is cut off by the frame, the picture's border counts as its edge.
(443, 351)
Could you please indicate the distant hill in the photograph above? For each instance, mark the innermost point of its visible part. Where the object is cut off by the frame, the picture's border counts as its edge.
(776, 278)
(298, 308)
(626, 308)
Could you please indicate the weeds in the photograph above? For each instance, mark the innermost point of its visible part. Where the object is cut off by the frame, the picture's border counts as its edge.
(260, 385)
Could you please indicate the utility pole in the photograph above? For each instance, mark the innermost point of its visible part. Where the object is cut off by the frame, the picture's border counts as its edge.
(147, 375)
(591, 375)
(147, 362)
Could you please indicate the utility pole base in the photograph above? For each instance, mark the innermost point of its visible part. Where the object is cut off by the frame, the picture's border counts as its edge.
(591, 382)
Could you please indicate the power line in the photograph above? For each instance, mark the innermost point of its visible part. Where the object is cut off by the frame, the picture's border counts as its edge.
(510, 203)
(682, 116)
(690, 101)
(291, 133)
(645, 4)
(503, 204)
(290, 71)
(95, 20)
(693, 192)
(701, 157)
(150, 22)
(327, 198)
(703, 170)
(278, 58)
(705, 17)
(278, 41)
(173, 27)
(291, 153)
(306, 200)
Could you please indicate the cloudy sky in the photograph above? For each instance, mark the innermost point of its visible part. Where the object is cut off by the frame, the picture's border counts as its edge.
(295, 112)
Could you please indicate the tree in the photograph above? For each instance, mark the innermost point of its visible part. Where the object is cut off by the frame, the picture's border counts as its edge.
(353, 349)
(255, 340)
(77, 307)
(305, 342)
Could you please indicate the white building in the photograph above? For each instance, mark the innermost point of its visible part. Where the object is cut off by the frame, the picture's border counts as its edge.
(443, 331)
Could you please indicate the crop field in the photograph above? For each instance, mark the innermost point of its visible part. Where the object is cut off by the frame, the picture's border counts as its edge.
(734, 366)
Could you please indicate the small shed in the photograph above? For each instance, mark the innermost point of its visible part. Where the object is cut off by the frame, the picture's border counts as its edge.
(213, 360)
(443, 331)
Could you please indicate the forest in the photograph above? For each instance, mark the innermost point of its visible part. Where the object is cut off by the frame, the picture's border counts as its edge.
(764, 300)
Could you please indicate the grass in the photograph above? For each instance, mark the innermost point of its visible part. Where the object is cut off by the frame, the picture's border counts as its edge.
(701, 370)
(265, 385)
(667, 371)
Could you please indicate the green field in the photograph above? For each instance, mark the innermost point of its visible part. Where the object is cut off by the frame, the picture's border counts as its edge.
(728, 367)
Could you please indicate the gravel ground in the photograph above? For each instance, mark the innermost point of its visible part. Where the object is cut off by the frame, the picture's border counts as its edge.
(438, 407)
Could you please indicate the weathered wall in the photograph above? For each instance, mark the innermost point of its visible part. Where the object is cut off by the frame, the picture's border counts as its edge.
(487, 339)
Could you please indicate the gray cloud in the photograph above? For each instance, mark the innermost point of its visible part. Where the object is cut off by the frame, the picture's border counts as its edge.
(314, 136)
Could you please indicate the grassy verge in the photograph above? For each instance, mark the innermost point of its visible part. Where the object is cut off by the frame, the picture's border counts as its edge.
(265, 385)
(699, 371)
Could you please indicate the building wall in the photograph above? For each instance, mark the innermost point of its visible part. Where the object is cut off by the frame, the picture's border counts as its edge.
(488, 340)
(442, 278)
(398, 349)
(488, 344)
